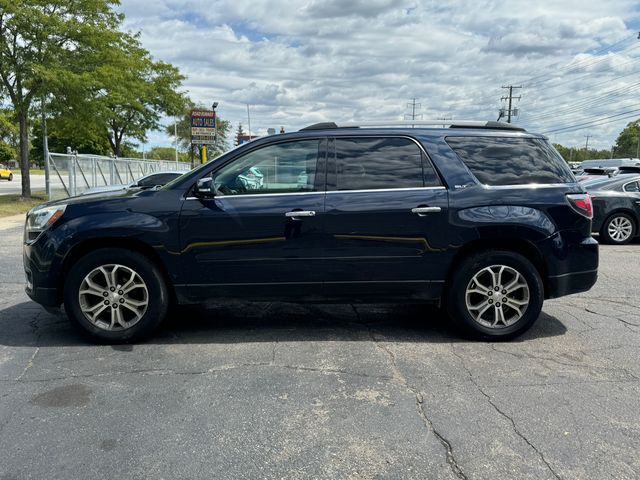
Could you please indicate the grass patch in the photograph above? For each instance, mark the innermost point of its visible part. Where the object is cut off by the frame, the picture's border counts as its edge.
(15, 204)
(33, 171)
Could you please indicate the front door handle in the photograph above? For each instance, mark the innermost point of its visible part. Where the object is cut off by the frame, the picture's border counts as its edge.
(423, 210)
(300, 213)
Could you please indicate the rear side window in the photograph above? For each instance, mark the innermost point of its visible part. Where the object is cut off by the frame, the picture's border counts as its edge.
(381, 163)
(511, 161)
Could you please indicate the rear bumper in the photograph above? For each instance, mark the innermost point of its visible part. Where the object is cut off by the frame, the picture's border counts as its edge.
(568, 283)
(577, 268)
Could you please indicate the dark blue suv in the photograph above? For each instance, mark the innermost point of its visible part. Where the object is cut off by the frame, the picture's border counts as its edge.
(481, 218)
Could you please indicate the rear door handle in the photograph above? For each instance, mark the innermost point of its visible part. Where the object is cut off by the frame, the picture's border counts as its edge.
(300, 213)
(424, 210)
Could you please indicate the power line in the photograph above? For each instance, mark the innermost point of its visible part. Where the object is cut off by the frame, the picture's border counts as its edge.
(607, 99)
(598, 121)
(607, 47)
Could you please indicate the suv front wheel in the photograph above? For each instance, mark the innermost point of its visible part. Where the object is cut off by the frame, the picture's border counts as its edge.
(115, 295)
(495, 295)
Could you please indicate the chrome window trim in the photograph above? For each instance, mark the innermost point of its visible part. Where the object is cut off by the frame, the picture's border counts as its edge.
(524, 185)
(320, 193)
(402, 189)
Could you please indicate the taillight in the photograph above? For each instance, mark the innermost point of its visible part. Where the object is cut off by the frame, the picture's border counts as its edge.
(581, 203)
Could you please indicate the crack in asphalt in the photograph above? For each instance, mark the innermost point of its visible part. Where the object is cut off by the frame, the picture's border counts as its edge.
(542, 359)
(223, 368)
(503, 414)
(625, 322)
(400, 379)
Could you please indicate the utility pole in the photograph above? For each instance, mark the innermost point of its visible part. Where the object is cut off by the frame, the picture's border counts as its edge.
(413, 115)
(638, 147)
(445, 119)
(249, 121)
(586, 146)
(510, 111)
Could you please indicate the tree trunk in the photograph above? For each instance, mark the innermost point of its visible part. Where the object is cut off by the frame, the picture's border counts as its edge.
(24, 153)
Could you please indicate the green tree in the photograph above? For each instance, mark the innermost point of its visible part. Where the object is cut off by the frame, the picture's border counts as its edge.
(571, 154)
(44, 45)
(7, 152)
(628, 141)
(60, 136)
(166, 153)
(239, 134)
(130, 96)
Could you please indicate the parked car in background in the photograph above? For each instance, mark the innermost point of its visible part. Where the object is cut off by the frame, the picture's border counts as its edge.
(5, 173)
(616, 208)
(454, 216)
(595, 172)
(148, 181)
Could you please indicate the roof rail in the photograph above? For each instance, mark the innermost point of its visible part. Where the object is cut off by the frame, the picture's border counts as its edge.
(419, 123)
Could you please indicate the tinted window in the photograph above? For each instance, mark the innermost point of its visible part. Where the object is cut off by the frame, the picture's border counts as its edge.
(376, 163)
(632, 187)
(511, 161)
(281, 168)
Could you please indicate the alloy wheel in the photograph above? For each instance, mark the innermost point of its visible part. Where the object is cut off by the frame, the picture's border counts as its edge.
(113, 297)
(497, 296)
(620, 229)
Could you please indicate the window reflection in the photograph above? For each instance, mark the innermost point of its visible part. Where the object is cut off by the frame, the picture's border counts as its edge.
(510, 161)
(377, 163)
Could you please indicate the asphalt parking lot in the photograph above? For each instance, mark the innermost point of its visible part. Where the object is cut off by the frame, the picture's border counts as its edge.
(320, 391)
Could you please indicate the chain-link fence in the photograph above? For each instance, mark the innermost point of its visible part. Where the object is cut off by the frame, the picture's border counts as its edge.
(72, 174)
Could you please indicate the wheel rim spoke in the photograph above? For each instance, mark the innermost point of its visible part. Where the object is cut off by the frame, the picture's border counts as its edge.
(503, 303)
(113, 297)
(620, 229)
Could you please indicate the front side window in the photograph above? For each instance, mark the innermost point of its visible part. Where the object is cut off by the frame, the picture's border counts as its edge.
(282, 168)
(632, 187)
(511, 161)
(380, 163)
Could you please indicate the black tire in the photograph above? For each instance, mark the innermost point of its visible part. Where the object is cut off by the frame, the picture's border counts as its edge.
(456, 295)
(10, 177)
(606, 237)
(156, 295)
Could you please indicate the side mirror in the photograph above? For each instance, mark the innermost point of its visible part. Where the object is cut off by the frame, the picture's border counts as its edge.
(204, 188)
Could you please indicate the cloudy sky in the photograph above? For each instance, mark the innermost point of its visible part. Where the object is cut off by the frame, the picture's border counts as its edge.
(296, 62)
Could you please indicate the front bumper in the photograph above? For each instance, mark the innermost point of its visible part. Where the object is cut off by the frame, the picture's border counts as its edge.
(40, 272)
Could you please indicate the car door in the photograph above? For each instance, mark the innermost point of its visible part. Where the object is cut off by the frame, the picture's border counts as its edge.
(386, 212)
(633, 191)
(260, 235)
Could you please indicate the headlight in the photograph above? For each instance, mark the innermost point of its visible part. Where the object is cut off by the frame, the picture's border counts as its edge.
(41, 218)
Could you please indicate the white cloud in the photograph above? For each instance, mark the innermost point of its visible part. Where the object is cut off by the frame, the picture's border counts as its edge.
(297, 62)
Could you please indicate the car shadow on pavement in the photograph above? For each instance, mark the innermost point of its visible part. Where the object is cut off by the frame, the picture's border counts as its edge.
(26, 324)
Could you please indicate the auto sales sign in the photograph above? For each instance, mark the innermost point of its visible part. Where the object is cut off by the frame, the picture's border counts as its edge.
(203, 127)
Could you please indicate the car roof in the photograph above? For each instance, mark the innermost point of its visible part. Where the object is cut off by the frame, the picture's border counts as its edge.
(612, 182)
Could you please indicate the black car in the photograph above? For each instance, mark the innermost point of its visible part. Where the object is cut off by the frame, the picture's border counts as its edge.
(616, 207)
(481, 218)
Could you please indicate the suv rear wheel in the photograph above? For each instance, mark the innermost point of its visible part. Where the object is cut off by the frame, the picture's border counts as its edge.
(115, 295)
(495, 295)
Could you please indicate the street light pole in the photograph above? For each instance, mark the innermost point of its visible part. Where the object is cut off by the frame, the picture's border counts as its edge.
(214, 105)
(45, 146)
(175, 134)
